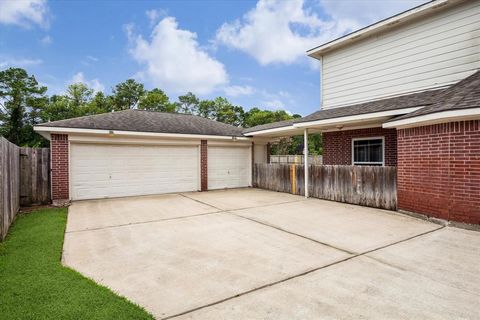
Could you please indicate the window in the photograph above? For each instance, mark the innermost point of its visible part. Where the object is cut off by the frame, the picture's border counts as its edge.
(368, 151)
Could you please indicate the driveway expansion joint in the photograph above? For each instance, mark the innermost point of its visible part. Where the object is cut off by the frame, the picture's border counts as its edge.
(243, 208)
(199, 201)
(143, 222)
(300, 274)
(295, 234)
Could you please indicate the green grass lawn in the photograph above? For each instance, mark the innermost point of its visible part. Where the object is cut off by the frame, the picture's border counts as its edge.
(35, 285)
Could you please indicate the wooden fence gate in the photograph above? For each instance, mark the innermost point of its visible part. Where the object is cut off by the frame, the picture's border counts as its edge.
(372, 186)
(24, 180)
(34, 176)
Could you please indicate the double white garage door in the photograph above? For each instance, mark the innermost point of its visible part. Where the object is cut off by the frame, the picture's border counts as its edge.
(107, 171)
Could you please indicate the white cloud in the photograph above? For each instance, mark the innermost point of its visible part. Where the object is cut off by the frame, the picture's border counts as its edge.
(89, 60)
(174, 61)
(274, 104)
(154, 14)
(237, 91)
(24, 12)
(273, 31)
(47, 40)
(282, 31)
(92, 58)
(95, 84)
(19, 63)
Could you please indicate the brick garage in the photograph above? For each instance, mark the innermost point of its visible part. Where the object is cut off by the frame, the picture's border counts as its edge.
(337, 145)
(439, 170)
(60, 174)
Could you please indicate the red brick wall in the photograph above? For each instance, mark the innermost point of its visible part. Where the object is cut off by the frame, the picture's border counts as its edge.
(203, 165)
(439, 171)
(337, 145)
(59, 162)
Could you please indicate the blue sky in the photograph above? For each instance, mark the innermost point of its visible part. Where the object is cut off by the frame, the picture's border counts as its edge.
(252, 52)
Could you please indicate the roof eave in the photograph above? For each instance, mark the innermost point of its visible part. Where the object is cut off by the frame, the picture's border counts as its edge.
(44, 131)
(435, 118)
(356, 119)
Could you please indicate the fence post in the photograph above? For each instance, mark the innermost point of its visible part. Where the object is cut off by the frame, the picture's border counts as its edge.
(293, 178)
(305, 160)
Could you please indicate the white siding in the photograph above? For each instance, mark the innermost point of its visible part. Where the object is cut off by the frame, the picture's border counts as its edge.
(433, 52)
(260, 153)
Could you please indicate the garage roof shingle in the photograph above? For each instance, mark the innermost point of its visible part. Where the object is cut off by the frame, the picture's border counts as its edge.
(149, 121)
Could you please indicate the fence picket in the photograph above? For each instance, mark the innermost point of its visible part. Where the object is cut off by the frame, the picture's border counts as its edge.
(372, 186)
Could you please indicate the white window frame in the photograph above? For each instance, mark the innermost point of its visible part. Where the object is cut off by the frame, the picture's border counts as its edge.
(368, 163)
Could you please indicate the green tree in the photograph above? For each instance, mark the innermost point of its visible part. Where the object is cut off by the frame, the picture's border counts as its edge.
(206, 109)
(228, 113)
(255, 117)
(156, 100)
(58, 108)
(127, 94)
(76, 102)
(21, 99)
(294, 145)
(188, 103)
(100, 103)
(79, 94)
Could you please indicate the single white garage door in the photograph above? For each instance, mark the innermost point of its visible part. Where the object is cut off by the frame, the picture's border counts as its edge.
(228, 167)
(104, 171)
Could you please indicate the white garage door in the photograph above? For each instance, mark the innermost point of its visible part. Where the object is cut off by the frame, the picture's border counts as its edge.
(228, 167)
(103, 171)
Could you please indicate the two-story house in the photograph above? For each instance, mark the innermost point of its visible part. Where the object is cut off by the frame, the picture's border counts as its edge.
(405, 92)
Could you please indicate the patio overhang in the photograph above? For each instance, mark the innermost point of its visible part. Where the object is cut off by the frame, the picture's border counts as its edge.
(368, 120)
(351, 122)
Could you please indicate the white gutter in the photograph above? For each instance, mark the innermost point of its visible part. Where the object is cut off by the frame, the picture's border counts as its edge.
(267, 131)
(44, 129)
(379, 26)
(359, 117)
(433, 118)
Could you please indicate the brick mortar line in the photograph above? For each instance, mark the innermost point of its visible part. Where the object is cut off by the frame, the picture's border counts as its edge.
(299, 275)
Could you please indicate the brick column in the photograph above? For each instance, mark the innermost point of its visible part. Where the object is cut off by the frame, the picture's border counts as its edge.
(203, 165)
(59, 168)
(439, 171)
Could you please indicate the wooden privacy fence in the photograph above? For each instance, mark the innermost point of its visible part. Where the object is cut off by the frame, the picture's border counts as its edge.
(296, 159)
(24, 180)
(34, 176)
(372, 186)
(9, 184)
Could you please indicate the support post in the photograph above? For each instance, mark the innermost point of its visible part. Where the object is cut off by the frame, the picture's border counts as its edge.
(268, 152)
(305, 160)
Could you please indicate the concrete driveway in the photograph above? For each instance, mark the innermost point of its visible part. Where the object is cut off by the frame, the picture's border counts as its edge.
(254, 254)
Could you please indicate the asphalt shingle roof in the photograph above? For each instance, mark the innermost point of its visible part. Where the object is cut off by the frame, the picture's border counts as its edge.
(149, 121)
(272, 125)
(462, 95)
(401, 102)
(406, 101)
